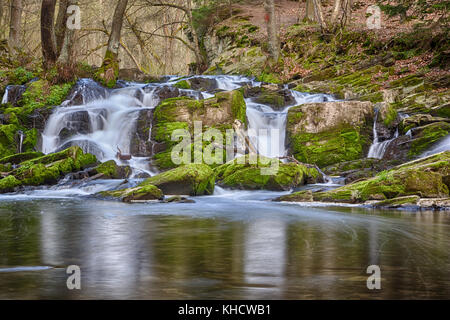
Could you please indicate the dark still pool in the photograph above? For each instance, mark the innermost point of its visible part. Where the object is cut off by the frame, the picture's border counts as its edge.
(235, 245)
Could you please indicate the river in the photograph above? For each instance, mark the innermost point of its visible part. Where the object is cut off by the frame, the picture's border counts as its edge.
(227, 246)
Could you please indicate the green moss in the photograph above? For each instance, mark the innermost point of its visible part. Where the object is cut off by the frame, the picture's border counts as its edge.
(326, 148)
(240, 174)
(21, 157)
(108, 73)
(8, 144)
(238, 106)
(390, 116)
(423, 178)
(431, 134)
(111, 170)
(192, 179)
(183, 84)
(8, 184)
(143, 193)
(398, 202)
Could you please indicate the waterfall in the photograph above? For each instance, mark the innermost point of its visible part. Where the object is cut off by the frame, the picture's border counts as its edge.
(5, 96)
(441, 146)
(101, 125)
(378, 149)
(21, 136)
(267, 127)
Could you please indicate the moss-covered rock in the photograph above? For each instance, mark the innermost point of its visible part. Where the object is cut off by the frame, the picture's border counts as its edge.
(240, 174)
(48, 169)
(172, 114)
(20, 157)
(426, 178)
(9, 184)
(141, 193)
(183, 84)
(191, 179)
(111, 170)
(424, 137)
(331, 132)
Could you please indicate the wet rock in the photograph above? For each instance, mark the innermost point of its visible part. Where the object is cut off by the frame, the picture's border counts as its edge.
(141, 146)
(178, 199)
(86, 145)
(14, 94)
(240, 174)
(136, 194)
(77, 122)
(85, 91)
(111, 170)
(47, 169)
(330, 132)
(425, 178)
(192, 179)
(203, 84)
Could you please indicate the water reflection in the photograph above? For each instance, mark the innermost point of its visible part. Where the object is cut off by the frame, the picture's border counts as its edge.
(220, 247)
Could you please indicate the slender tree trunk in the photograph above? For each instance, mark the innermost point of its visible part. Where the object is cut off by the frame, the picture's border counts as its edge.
(310, 13)
(110, 67)
(66, 54)
(47, 33)
(342, 13)
(60, 25)
(199, 59)
(15, 25)
(318, 13)
(272, 30)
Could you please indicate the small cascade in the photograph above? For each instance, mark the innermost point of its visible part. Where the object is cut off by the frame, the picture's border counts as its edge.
(267, 127)
(378, 149)
(5, 96)
(101, 126)
(441, 146)
(21, 137)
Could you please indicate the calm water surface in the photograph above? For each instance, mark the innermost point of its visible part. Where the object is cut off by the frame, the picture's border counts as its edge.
(236, 245)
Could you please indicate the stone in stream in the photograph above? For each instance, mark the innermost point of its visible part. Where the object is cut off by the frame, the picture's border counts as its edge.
(191, 179)
(47, 169)
(426, 178)
(136, 194)
(240, 174)
(110, 170)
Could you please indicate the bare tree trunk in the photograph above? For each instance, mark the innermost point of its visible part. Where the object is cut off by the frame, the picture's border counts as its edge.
(60, 25)
(47, 33)
(272, 31)
(200, 61)
(15, 25)
(318, 12)
(110, 66)
(66, 54)
(342, 13)
(310, 13)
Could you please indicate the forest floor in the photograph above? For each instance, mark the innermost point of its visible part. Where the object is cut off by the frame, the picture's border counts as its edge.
(289, 12)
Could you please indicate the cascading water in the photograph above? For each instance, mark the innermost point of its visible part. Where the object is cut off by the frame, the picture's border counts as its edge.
(378, 149)
(443, 145)
(5, 96)
(103, 121)
(267, 127)
(101, 126)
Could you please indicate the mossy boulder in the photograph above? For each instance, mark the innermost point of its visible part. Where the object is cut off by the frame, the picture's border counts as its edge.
(183, 84)
(191, 179)
(172, 114)
(48, 169)
(111, 170)
(140, 193)
(9, 184)
(331, 132)
(20, 157)
(426, 178)
(241, 173)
